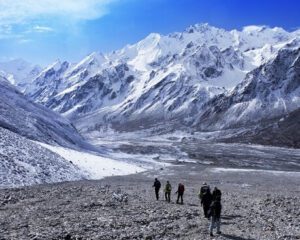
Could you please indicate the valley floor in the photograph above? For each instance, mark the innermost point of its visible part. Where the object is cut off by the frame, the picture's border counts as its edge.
(260, 185)
(256, 205)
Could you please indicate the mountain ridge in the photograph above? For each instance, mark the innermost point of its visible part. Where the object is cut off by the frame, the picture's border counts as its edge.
(33, 121)
(160, 78)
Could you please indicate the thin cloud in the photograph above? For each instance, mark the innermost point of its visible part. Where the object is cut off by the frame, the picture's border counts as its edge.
(22, 11)
(21, 17)
(24, 41)
(6, 32)
(42, 29)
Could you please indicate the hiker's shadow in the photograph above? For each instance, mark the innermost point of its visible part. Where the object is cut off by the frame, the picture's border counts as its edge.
(232, 237)
(227, 219)
(193, 205)
(227, 223)
(230, 217)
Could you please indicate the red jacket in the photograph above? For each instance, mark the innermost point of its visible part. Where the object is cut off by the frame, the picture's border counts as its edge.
(180, 189)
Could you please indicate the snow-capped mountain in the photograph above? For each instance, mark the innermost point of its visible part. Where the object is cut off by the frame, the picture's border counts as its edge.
(19, 72)
(20, 115)
(269, 91)
(203, 78)
(159, 79)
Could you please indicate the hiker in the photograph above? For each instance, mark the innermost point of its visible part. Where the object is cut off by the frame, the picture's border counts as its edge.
(168, 189)
(206, 198)
(180, 192)
(216, 194)
(215, 214)
(156, 186)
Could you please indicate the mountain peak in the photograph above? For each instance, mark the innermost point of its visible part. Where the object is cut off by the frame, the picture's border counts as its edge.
(199, 27)
(18, 71)
(263, 28)
(254, 28)
(151, 38)
(98, 56)
(149, 42)
(55, 65)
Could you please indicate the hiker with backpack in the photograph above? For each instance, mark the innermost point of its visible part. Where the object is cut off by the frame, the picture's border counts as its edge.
(216, 194)
(205, 198)
(168, 189)
(215, 214)
(156, 186)
(180, 192)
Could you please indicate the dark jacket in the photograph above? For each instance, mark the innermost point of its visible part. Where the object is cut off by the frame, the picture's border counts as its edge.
(157, 184)
(206, 198)
(216, 195)
(180, 190)
(204, 189)
(215, 209)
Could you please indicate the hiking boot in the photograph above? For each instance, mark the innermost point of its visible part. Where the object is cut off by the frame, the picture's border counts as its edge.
(219, 232)
(211, 234)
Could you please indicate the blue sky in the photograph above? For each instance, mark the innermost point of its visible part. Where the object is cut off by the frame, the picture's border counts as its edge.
(43, 30)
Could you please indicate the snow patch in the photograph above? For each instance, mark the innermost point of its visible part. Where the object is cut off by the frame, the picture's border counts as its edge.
(94, 166)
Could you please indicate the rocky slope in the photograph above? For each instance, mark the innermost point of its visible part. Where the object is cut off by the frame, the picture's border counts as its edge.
(255, 206)
(23, 162)
(283, 131)
(20, 115)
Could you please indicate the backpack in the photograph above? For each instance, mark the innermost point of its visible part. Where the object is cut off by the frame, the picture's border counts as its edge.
(168, 188)
(157, 184)
(205, 190)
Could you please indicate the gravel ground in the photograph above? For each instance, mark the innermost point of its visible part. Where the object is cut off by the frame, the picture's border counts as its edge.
(256, 205)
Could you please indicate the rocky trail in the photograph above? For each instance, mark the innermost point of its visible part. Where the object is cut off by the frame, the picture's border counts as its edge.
(256, 205)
